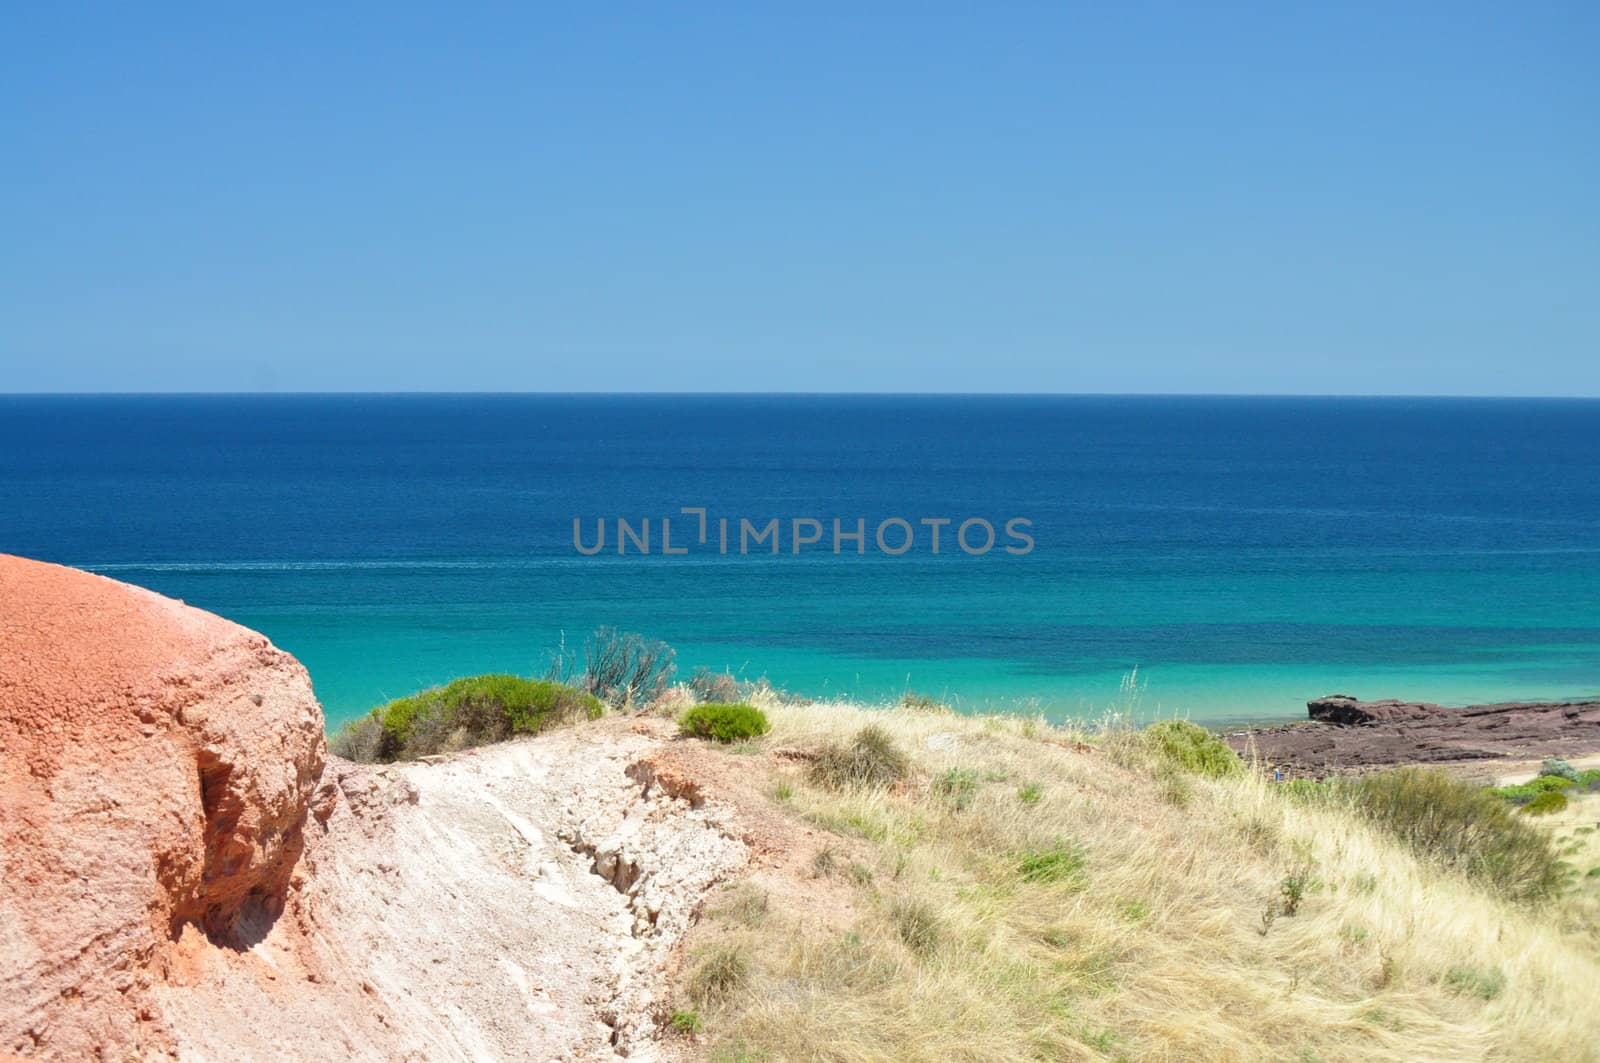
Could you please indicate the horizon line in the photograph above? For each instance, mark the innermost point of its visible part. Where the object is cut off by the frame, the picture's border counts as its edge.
(798, 394)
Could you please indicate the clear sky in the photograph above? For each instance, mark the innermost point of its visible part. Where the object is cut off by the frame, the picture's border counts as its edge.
(1109, 197)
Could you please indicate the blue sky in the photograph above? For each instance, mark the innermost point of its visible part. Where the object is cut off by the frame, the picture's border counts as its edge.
(1385, 198)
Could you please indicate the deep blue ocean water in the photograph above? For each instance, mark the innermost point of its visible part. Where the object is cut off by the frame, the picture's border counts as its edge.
(1243, 554)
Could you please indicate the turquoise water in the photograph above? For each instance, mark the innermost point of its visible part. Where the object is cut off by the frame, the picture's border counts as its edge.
(1238, 556)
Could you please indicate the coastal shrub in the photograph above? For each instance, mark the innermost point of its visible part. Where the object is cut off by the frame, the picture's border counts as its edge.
(1460, 826)
(724, 723)
(871, 759)
(1546, 803)
(621, 668)
(1590, 780)
(1522, 793)
(1193, 748)
(1555, 767)
(467, 712)
(714, 686)
(360, 739)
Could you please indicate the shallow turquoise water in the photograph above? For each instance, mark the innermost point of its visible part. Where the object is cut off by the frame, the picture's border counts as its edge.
(1243, 554)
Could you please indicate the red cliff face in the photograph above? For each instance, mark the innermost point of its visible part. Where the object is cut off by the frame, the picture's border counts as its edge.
(156, 764)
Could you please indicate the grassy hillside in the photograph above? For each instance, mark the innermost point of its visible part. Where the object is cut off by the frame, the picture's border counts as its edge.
(993, 889)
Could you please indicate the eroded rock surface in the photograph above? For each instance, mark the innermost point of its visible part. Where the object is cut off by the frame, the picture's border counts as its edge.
(1347, 734)
(156, 763)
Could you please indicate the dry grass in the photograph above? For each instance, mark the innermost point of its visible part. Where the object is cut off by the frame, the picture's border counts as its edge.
(1102, 917)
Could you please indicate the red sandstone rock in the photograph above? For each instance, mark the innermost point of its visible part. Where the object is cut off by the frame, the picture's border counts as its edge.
(1347, 734)
(156, 766)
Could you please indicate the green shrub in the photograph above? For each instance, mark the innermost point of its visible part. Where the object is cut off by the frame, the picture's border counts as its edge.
(1522, 793)
(1546, 803)
(1192, 748)
(1460, 826)
(724, 723)
(959, 786)
(1556, 768)
(686, 1023)
(1590, 780)
(467, 712)
(870, 760)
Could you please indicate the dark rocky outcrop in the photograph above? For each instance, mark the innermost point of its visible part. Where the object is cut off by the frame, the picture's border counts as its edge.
(1347, 734)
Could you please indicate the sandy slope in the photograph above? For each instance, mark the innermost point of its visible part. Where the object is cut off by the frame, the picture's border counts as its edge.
(457, 910)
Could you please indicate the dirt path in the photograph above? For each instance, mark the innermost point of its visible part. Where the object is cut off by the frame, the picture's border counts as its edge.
(516, 902)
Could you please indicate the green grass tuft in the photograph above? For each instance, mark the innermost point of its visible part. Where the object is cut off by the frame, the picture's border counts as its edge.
(958, 786)
(723, 971)
(1062, 862)
(871, 760)
(917, 924)
(1475, 981)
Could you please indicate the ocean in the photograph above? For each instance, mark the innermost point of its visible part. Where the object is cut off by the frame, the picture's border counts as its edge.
(1221, 558)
